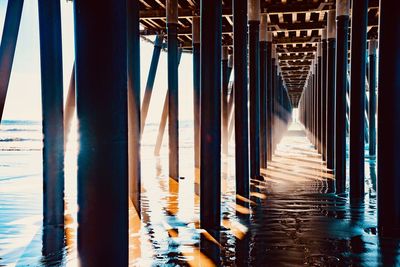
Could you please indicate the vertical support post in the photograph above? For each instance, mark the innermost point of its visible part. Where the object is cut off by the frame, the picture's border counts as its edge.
(70, 106)
(101, 89)
(263, 92)
(359, 18)
(342, 26)
(330, 89)
(52, 112)
(224, 82)
(324, 91)
(210, 83)
(158, 42)
(388, 120)
(269, 77)
(7, 47)
(241, 97)
(319, 97)
(372, 97)
(231, 97)
(274, 61)
(164, 117)
(196, 88)
(173, 119)
(311, 79)
(254, 86)
(134, 125)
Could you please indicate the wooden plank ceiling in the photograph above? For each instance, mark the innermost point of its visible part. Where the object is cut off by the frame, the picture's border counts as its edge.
(296, 24)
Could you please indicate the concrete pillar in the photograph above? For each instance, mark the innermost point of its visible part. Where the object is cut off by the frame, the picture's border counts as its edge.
(254, 86)
(101, 94)
(210, 84)
(241, 97)
(342, 26)
(173, 119)
(7, 47)
(52, 112)
(357, 96)
(388, 120)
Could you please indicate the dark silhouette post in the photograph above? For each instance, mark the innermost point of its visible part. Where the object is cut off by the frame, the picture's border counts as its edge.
(269, 77)
(372, 97)
(254, 86)
(342, 27)
(241, 97)
(173, 123)
(52, 112)
(388, 120)
(263, 92)
(319, 97)
(210, 87)
(359, 18)
(330, 90)
(324, 92)
(158, 43)
(7, 47)
(101, 93)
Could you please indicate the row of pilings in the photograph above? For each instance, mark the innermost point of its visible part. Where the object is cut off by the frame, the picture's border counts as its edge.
(334, 107)
(105, 91)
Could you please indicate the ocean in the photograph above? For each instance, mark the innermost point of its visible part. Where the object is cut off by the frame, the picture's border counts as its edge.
(291, 219)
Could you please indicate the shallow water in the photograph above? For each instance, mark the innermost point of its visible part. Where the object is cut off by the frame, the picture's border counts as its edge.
(290, 220)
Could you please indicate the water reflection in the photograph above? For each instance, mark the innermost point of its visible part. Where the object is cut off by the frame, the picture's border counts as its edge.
(290, 219)
(53, 239)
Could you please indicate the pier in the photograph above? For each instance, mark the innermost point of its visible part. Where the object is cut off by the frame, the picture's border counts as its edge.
(290, 158)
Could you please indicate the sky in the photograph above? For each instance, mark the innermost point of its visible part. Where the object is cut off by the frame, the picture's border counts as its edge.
(23, 99)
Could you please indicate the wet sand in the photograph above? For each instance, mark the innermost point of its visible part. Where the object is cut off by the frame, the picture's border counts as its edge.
(291, 218)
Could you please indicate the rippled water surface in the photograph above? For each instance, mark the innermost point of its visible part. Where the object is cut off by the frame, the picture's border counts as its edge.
(291, 218)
